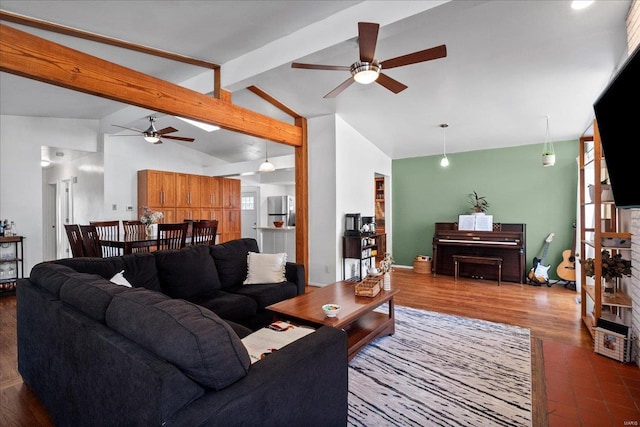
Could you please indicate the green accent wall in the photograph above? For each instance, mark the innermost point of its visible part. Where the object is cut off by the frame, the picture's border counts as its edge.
(516, 185)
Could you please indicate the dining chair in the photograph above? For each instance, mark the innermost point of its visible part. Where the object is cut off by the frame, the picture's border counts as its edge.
(91, 241)
(108, 230)
(172, 236)
(135, 229)
(204, 232)
(75, 240)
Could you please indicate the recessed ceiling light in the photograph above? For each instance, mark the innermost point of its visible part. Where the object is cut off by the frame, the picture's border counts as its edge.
(204, 126)
(44, 163)
(580, 4)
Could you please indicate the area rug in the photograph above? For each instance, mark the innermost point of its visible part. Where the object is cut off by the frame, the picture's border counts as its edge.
(442, 370)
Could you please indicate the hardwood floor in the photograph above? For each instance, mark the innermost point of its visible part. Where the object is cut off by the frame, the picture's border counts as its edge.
(551, 313)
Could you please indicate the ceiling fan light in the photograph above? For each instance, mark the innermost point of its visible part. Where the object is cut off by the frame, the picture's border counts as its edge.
(267, 166)
(365, 72)
(151, 137)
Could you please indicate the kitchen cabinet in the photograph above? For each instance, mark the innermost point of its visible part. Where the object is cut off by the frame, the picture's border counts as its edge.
(231, 225)
(181, 196)
(599, 230)
(187, 190)
(156, 188)
(379, 203)
(11, 263)
(231, 193)
(210, 192)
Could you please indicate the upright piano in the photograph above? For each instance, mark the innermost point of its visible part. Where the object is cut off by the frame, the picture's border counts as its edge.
(506, 241)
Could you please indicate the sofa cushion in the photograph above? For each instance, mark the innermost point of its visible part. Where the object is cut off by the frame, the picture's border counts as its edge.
(191, 337)
(265, 268)
(267, 294)
(187, 272)
(105, 267)
(90, 293)
(227, 305)
(51, 276)
(231, 260)
(140, 270)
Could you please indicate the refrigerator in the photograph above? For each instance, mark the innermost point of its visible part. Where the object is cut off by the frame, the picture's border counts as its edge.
(281, 208)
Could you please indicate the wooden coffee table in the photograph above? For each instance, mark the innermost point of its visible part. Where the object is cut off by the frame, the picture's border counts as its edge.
(357, 316)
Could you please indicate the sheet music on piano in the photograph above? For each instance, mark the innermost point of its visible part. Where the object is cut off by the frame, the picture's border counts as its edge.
(475, 222)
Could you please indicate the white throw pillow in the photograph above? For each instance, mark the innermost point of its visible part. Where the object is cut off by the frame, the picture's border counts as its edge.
(119, 279)
(265, 268)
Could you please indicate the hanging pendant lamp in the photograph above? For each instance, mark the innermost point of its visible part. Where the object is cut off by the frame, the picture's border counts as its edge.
(266, 166)
(444, 162)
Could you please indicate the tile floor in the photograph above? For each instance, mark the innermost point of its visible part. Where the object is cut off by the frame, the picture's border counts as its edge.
(586, 389)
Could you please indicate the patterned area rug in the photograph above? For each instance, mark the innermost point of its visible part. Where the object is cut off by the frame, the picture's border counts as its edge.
(442, 370)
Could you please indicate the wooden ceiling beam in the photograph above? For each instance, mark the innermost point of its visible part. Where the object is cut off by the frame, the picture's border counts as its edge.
(29, 56)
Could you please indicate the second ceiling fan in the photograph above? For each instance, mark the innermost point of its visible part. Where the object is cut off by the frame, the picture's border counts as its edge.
(368, 69)
(154, 136)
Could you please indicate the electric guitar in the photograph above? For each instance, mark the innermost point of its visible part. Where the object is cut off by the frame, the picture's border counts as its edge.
(538, 274)
(567, 268)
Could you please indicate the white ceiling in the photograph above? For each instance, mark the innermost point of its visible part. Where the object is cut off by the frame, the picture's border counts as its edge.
(509, 65)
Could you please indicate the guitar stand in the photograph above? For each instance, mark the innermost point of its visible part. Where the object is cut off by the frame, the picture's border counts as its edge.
(568, 284)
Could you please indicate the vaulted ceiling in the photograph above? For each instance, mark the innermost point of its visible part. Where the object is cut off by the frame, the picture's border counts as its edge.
(509, 65)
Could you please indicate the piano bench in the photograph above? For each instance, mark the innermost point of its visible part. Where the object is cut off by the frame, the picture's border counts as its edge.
(472, 259)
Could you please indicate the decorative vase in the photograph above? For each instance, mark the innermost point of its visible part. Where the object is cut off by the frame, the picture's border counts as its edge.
(150, 230)
(386, 282)
(610, 286)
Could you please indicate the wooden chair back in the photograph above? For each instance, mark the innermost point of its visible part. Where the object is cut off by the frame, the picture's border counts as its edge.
(172, 236)
(204, 232)
(135, 229)
(91, 241)
(75, 240)
(108, 230)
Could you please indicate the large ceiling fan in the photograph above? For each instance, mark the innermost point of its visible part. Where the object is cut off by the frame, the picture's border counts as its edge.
(367, 69)
(154, 136)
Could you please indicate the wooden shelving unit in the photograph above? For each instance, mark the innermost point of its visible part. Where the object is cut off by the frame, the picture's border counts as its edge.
(593, 172)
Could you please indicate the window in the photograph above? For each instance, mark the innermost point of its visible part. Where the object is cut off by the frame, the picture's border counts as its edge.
(248, 203)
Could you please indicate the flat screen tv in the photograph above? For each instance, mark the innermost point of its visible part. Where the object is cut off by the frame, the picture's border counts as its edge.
(617, 112)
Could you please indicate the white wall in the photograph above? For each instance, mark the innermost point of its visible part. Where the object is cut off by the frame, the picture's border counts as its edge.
(342, 167)
(21, 174)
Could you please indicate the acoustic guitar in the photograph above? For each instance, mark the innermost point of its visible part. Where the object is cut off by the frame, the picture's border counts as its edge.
(539, 272)
(567, 268)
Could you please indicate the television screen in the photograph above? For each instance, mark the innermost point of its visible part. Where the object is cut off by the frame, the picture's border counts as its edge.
(617, 112)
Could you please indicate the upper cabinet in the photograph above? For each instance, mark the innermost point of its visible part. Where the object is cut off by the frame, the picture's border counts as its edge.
(231, 193)
(156, 188)
(187, 190)
(210, 192)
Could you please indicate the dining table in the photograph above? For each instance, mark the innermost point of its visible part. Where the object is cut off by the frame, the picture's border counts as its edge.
(127, 243)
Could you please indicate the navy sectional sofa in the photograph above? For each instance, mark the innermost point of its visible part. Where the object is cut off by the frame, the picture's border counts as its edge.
(168, 351)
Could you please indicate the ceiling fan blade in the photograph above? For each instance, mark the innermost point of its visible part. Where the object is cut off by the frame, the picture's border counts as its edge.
(167, 130)
(320, 67)
(415, 57)
(367, 39)
(340, 88)
(178, 138)
(124, 127)
(391, 84)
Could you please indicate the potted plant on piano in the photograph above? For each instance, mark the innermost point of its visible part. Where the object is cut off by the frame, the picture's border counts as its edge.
(479, 204)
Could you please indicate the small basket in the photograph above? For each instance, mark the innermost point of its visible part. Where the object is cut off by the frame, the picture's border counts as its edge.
(421, 266)
(613, 345)
(370, 286)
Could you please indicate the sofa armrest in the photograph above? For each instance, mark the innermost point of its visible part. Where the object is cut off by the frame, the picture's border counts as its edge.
(295, 274)
(303, 383)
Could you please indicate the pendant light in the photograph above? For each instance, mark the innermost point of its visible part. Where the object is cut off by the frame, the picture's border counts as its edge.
(548, 153)
(266, 166)
(445, 161)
